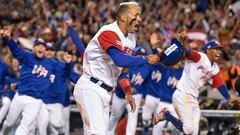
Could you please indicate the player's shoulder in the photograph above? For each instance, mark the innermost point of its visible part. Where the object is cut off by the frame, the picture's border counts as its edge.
(203, 57)
(215, 68)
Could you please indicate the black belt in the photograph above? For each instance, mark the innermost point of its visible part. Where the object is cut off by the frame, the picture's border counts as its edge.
(103, 85)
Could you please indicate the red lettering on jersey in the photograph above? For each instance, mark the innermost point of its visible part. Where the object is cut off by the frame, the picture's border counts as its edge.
(109, 39)
(207, 74)
(217, 80)
(195, 56)
(128, 51)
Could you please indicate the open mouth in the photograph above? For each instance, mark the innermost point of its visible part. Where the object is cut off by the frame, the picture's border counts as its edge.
(217, 56)
(40, 52)
(137, 26)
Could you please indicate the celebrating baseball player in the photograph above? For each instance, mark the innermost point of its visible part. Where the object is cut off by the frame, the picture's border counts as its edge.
(34, 82)
(4, 71)
(11, 81)
(199, 69)
(167, 86)
(51, 112)
(109, 50)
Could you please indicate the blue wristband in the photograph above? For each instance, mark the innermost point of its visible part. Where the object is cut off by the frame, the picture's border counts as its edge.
(224, 91)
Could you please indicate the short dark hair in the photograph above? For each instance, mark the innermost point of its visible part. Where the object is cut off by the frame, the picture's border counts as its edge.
(124, 7)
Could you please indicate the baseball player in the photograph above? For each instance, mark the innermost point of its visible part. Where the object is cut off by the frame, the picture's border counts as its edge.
(137, 76)
(10, 80)
(4, 71)
(109, 50)
(199, 68)
(65, 98)
(167, 86)
(151, 97)
(170, 55)
(51, 112)
(34, 81)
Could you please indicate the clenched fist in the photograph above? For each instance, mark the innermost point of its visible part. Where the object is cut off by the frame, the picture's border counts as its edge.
(67, 57)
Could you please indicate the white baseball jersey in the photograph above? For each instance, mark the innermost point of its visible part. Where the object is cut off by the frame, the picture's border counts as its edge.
(196, 74)
(97, 63)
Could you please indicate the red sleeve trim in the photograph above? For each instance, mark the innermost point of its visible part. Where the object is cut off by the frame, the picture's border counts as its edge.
(109, 39)
(195, 56)
(125, 85)
(217, 80)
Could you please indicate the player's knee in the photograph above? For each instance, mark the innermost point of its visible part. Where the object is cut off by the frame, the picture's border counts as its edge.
(188, 129)
(58, 124)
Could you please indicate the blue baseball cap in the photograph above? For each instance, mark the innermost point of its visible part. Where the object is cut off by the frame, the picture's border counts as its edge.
(50, 46)
(211, 44)
(38, 41)
(139, 50)
(173, 53)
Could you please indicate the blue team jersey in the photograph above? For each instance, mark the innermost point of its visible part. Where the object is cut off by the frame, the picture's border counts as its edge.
(10, 79)
(153, 83)
(58, 91)
(168, 83)
(137, 76)
(66, 97)
(35, 73)
(4, 71)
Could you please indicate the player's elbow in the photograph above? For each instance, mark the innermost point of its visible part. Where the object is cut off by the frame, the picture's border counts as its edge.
(188, 129)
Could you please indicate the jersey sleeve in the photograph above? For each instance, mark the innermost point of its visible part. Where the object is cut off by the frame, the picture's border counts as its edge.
(74, 76)
(194, 56)
(109, 39)
(76, 40)
(17, 51)
(217, 81)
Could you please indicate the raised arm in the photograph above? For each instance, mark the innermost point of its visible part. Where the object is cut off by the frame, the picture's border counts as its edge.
(16, 50)
(189, 53)
(75, 38)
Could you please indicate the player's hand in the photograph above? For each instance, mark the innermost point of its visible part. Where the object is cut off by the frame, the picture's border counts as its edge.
(69, 22)
(142, 102)
(235, 100)
(5, 33)
(153, 59)
(183, 35)
(132, 90)
(13, 86)
(130, 100)
(67, 57)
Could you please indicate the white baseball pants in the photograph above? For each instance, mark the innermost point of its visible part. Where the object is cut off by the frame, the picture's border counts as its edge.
(150, 108)
(188, 111)
(29, 108)
(118, 106)
(6, 102)
(158, 129)
(93, 103)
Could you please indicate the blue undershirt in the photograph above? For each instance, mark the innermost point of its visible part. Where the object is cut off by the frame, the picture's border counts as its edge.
(124, 60)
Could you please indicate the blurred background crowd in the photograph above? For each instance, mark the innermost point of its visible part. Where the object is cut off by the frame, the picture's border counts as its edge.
(204, 20)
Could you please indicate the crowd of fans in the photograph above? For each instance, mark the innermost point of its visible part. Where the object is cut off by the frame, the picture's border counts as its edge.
(213, 19)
